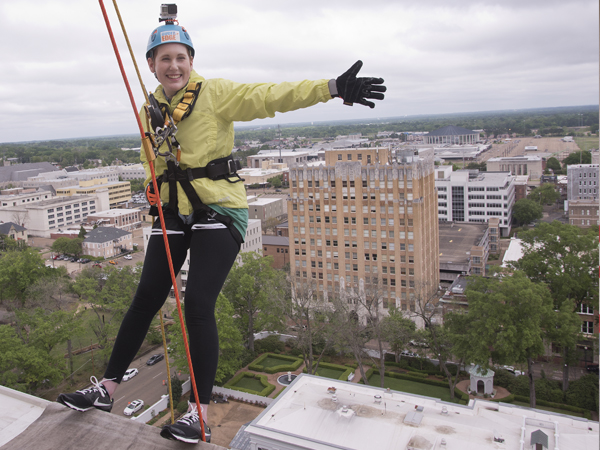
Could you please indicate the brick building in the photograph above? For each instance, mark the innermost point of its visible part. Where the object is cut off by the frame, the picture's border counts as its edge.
(364, 217)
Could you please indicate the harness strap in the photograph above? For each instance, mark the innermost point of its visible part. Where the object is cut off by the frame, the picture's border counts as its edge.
(173, 175)
(186, 105)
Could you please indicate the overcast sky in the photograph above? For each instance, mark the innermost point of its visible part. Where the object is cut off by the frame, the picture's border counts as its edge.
(60, 79)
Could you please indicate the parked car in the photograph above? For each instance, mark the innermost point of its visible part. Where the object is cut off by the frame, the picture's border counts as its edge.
(112, 261)
(155, 358)
(133, 407)
(128, 257)
(97, 265)
(512, 370)
(130, 374)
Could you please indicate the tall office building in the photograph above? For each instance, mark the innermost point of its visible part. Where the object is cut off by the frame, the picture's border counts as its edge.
(364, 215)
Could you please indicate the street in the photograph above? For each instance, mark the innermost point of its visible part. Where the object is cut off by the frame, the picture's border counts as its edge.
(147, 385)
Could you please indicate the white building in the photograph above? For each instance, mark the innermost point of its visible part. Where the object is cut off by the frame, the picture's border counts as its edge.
(473, 196)
(132, 172)
(531, 165)
(41, 213)
(107, 242)
(306, 415)
(582, 181)
(123, 219)
(279, 157)
(266, 208)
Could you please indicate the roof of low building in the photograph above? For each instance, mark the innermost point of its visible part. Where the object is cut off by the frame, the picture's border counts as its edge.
(105, 234)
(450, 130)
(275, 240)
(6, 227)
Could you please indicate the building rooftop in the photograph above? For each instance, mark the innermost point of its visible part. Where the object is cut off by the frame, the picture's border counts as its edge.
(28, 422)
(305, 416)
(450, 130)
(5, 227)
(261, 201)
(114, 212)
(20, 172)
(104, 234)
(457, 239)
(275, 240)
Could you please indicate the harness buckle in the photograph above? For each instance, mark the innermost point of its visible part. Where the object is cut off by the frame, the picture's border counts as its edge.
(231, 166)
(190, 176)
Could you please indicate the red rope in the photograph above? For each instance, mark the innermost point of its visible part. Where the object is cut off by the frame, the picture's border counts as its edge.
(162, 219)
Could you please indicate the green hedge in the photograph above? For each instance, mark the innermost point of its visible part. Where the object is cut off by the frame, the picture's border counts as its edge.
(509, 399)
(295, 363)
(522, 398)
(269, 388)
(344, 376)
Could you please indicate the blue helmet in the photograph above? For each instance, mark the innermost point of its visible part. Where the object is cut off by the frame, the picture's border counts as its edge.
(167, 34)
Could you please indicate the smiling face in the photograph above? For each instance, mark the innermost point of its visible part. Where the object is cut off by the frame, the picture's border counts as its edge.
(172, 65)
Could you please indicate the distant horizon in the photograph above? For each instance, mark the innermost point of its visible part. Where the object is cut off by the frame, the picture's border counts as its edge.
(259, 123)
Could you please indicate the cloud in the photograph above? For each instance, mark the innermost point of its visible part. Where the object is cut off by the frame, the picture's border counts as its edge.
(60, 77)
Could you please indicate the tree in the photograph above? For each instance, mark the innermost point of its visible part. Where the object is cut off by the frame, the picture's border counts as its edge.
(564, 334)
(526, 211)
(254, 288)
(20, 217)
(18, 271)
(369, 304)
(553, 164)
(508, 317)
(108, 294)
(231, 347)
(310, 319)
(82, 233)
(398, 330)
(435, 333)
(546, 194)
(579, 157)
(68, 246)
(563, 257)
(276, 181)
(24, 366)
(350, 332)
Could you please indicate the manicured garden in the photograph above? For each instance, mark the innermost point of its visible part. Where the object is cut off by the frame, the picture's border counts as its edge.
(412, 387)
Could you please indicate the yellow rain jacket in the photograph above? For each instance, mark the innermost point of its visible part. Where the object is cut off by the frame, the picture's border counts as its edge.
(207, 133)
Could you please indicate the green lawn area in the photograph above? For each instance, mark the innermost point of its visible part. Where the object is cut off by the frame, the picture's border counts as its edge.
(588, 142)
(330, 373)
(413, 387)
(548, 408)
(250, 383)
(272, 361)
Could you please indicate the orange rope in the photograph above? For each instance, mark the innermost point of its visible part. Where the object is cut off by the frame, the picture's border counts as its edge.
(160, 214)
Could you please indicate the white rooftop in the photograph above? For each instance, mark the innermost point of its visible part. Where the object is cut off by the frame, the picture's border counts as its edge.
(513, 253)
(305, 416)
(265, 200)
(114, 212)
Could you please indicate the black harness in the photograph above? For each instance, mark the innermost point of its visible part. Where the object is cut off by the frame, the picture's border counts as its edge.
(218, 169)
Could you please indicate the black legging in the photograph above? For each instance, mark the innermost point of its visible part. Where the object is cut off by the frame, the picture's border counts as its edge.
(212, 254)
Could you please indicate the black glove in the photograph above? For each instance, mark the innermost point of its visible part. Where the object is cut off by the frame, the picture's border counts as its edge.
(356, 90)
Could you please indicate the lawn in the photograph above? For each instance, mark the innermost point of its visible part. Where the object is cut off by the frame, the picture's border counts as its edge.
(587, 143)
(413, 387)
(330, 373)
(272, 361)
(250, 383)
